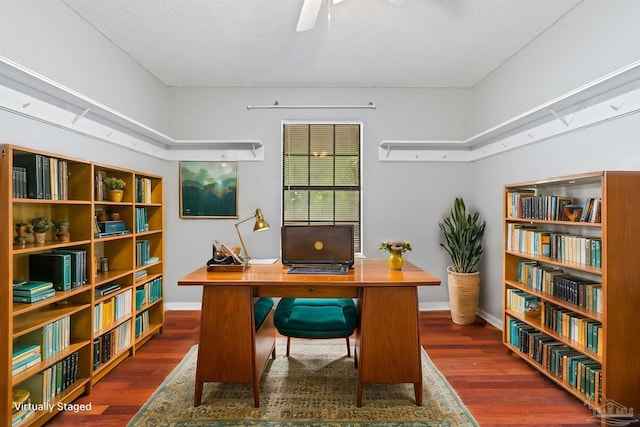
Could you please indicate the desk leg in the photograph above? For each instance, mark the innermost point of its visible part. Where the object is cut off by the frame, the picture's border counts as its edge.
(388, 338)
(226, 346)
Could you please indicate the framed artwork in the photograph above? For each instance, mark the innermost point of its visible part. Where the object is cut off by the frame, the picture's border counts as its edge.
(208, 189)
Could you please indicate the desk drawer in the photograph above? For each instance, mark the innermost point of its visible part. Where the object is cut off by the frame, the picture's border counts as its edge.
(307, 291)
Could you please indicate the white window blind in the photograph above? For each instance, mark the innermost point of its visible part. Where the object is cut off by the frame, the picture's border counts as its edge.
(321, 175)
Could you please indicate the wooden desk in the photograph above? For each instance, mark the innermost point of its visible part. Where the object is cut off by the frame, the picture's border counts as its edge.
(387, 341)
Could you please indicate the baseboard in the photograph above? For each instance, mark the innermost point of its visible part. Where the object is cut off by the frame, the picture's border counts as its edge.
(182, 306)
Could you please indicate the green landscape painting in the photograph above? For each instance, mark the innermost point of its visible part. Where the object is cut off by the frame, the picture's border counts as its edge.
(208, 189)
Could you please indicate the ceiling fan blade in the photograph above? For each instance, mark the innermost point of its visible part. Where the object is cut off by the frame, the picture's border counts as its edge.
(308, 15)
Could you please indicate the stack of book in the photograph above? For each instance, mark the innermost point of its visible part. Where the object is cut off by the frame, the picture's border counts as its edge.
(30, 291)
(21, 407)
(25, 356)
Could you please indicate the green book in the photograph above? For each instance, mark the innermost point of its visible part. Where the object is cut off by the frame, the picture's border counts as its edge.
(32, 287)
(55, 267)
(49, 293)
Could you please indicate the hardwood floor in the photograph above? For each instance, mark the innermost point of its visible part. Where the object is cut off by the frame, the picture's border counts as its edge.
(498, 388)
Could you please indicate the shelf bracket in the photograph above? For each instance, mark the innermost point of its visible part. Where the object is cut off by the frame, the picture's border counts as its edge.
(559, 117)
(78, 116)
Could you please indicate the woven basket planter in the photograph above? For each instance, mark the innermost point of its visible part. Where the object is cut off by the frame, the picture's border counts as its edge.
(464, 290)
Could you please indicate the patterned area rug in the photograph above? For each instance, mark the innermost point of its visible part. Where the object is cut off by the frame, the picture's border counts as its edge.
(315, 386)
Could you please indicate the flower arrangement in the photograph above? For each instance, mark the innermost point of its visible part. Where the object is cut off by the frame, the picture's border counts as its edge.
(397, 247)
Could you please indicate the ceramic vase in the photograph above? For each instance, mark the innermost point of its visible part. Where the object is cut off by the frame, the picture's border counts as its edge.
(395, 261)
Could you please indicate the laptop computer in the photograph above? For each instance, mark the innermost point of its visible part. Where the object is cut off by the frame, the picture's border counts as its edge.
(317, 249)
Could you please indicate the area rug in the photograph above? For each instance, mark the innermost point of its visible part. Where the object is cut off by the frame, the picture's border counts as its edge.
(315, 386)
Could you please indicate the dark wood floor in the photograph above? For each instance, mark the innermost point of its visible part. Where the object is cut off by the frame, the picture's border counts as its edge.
(498, 388)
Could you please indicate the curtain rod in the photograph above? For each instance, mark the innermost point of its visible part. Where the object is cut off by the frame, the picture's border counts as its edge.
(276, 105)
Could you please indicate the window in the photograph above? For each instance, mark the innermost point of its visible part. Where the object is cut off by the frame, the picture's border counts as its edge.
(321, 175)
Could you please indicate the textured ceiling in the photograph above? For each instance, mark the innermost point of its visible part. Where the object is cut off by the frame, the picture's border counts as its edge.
(366, 43)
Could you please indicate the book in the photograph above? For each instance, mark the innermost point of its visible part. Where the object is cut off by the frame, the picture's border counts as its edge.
(78, 265)
(30, 287)
(49, 293)
(105, 289)
(23, 365)
(55, 267)
(32, 163)
(24, 351)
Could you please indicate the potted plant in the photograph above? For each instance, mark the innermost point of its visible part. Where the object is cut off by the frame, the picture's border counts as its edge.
(62, 228)
(114, 188)
(463, 234)
(40, 227)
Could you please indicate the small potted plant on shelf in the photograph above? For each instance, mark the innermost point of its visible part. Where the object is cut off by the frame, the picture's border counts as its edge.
(114, 188)
(463, 242)
(62, 228)
(40, 227)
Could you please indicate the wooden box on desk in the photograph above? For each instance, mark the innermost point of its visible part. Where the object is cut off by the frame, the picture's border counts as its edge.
(228, 267)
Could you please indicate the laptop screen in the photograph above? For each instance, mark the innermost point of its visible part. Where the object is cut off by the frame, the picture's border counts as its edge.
(317, 244)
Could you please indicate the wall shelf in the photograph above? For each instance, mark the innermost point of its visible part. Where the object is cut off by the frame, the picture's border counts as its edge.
(29, 94)
(610, 97)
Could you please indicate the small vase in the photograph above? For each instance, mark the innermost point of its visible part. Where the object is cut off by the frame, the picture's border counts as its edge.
(21, 231)
(115, 195)
(63, 233)
(39, 237)
(395, 261)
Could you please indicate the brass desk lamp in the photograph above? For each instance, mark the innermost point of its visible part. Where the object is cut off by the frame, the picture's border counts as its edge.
(260, 225)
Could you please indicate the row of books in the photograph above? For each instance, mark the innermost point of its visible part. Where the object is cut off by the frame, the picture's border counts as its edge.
(563, 247)
(152, 291)
(25, 356)
(584, 331)
(528, 205)
(46, 385)
(553, 281)
(142, 322)
(30, 291)
(36, 176)
(108, 345)
(568, 365)
(52, 337)
(110, 311)
(142, 220)
(143, 253)
(65, 268)
(143, 190)
(519, 301)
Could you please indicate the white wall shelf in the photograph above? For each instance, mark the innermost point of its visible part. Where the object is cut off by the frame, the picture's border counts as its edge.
(29, 94)
(610, 97)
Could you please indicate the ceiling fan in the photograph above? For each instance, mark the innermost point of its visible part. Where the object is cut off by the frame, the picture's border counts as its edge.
(311, 8)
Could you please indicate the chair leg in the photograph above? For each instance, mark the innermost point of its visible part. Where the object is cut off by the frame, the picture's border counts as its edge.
(348, 347)
(288, 345)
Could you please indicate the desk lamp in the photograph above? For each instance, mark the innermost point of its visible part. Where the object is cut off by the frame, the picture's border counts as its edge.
(260, 225)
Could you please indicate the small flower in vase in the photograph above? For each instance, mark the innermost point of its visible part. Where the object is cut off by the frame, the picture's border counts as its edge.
(395, 249)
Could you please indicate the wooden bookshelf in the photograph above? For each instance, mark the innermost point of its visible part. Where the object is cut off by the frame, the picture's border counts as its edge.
(598, 338)
(73, 193)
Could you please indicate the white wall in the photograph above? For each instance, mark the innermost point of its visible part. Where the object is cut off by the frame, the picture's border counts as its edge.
(404, 200)
(594, 39)
(51, 40)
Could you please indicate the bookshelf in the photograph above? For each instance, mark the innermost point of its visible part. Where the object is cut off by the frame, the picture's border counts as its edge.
(59, 347)
(582, 275)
